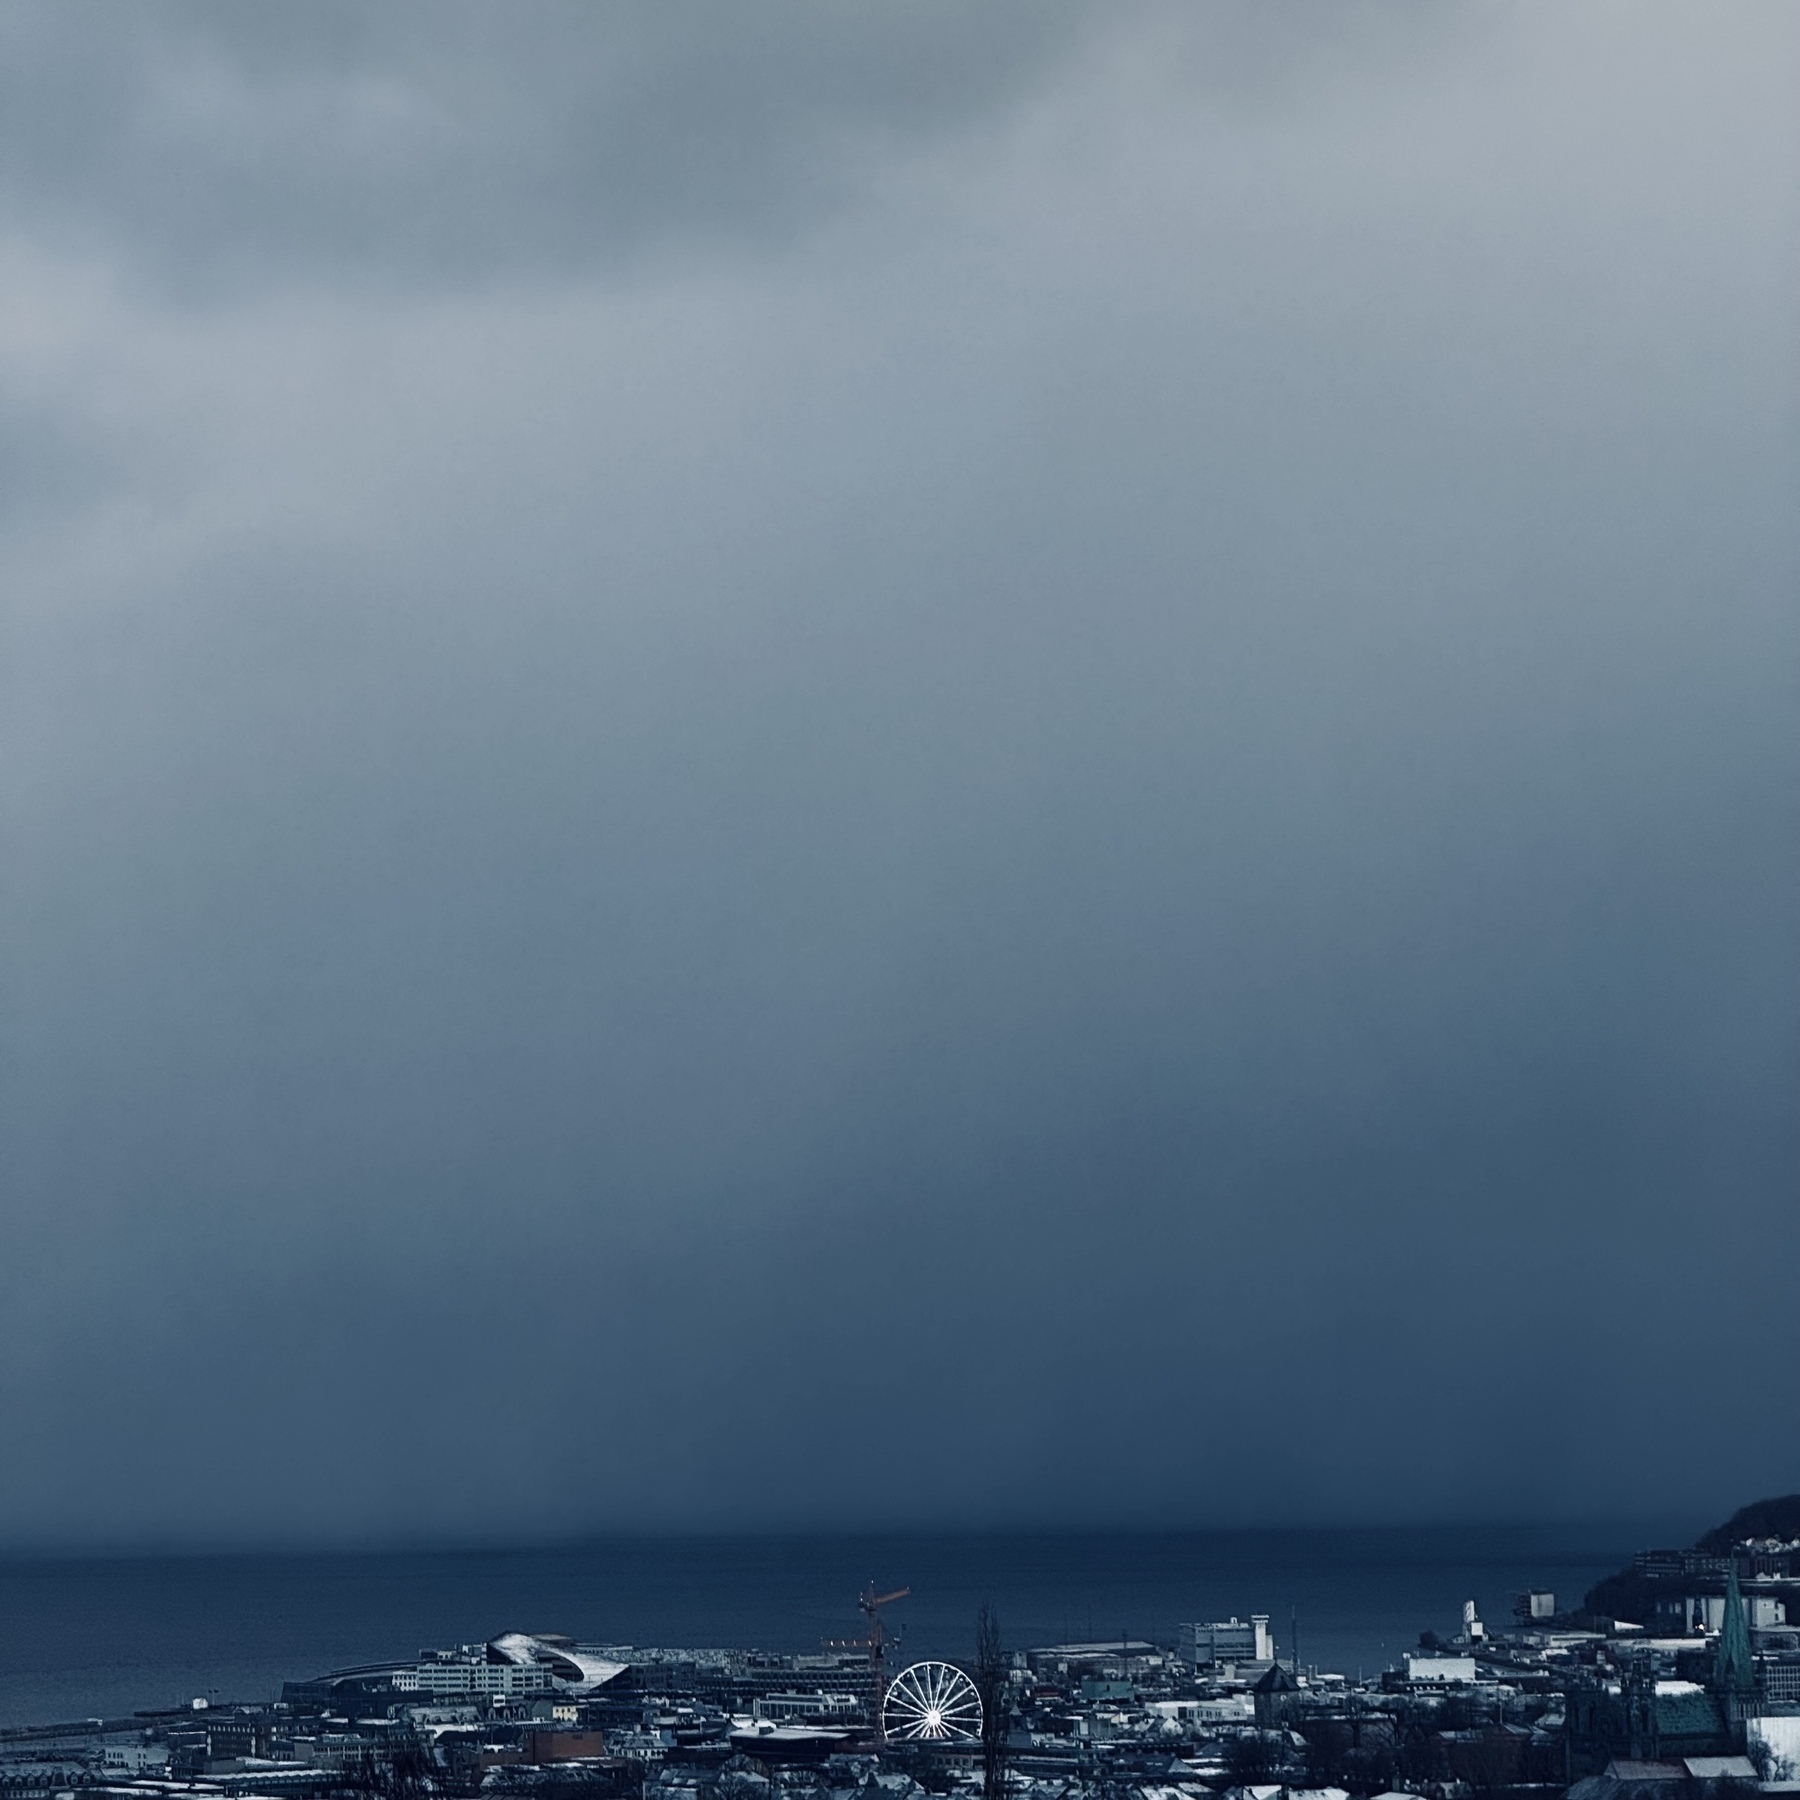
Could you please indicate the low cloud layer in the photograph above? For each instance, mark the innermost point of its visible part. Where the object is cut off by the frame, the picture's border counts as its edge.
(914, 765)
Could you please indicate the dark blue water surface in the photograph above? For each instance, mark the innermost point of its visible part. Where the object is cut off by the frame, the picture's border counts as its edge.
(110, 1636)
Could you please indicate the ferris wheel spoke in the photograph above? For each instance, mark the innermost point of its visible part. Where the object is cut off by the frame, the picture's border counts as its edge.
(932, 1702)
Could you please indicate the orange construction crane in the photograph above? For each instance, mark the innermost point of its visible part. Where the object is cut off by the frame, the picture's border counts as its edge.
(876, 1645)
(871, 1604)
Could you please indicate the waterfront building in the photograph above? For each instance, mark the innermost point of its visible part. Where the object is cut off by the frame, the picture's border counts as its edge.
(1432, 1670)
(1232, 1640)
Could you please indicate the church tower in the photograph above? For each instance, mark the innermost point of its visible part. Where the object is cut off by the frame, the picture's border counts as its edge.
(1734, 1673)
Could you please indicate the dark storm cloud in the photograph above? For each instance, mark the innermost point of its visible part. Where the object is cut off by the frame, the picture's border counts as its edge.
(984, 764)
(252, 145)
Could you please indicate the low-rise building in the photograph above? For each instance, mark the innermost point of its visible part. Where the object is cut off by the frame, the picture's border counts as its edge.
(1432, 1670)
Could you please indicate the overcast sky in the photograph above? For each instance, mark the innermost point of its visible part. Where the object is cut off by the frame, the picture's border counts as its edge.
(909, 763)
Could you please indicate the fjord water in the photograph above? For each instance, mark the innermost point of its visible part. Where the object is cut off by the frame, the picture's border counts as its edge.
(109, 1636)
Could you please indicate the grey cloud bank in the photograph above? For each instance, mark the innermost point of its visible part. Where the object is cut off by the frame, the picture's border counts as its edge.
(237, 148)
(769, 766)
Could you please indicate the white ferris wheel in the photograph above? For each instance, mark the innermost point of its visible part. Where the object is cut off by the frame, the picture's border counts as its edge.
(931, 1702)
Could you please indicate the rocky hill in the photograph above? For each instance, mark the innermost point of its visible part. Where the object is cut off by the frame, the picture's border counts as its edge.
(1779, 1518)
(1631, 1594)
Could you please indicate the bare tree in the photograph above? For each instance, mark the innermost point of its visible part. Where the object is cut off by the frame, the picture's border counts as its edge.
(991, 1683)
(1257, 1756)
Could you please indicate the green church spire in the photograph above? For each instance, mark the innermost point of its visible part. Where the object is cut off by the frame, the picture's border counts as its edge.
(1734, 1673)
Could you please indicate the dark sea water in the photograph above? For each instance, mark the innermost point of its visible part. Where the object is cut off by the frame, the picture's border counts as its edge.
(108, 1637)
